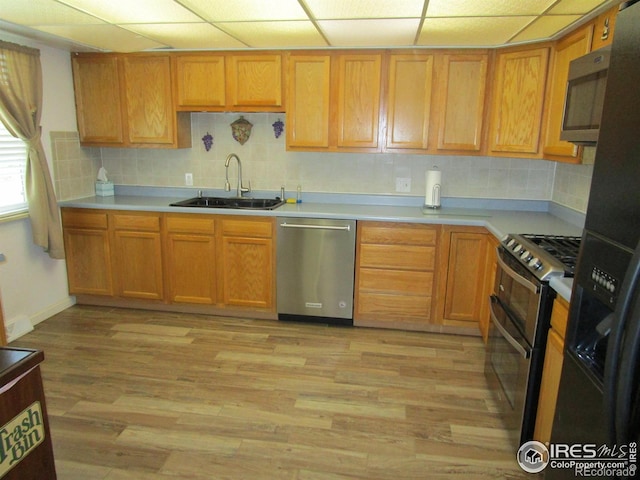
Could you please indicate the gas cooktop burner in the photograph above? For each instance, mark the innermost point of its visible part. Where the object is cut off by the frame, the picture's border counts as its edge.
(544, 255)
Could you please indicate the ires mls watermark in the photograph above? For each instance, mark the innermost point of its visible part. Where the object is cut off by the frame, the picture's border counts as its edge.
(585, 460)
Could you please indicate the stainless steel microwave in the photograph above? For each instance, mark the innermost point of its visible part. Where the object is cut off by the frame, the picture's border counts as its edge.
(584, 99)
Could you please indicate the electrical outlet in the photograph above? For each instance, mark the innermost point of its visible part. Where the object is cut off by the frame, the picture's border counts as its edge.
(403, 184)
(188, 179)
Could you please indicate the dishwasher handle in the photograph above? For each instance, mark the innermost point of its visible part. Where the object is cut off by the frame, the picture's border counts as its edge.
(316, 227)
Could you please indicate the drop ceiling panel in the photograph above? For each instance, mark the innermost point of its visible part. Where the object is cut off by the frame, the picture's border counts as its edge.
(293, 34)
(187, 36)
(135, 11)
(545, 27)
(474, 32)
(341, 9)
(358, 33)
(246, 10)
(486, 8)
(245, 24)
(103, 37)
(43, 12)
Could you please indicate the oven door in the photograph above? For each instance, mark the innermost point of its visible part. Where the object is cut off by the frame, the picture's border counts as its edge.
(507, 367)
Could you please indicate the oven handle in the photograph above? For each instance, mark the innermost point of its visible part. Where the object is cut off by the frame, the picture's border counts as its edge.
(518, 278)
(525, 352)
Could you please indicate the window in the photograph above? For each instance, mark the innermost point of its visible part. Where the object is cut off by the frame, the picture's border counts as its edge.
(13, 158)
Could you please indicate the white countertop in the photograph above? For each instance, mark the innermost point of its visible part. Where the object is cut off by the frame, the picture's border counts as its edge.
(498, 221)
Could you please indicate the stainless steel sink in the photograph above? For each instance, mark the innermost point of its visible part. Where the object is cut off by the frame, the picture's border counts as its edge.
(231, 202)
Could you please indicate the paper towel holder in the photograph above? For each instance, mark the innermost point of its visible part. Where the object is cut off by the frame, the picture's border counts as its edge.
(433, 189)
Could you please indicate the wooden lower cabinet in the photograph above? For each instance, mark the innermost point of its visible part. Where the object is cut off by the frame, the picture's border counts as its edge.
(191, 251)
(137, 255)
(551, 371)
(395, 274)
(248, 262)
(88, 252)
(464, 286)
(491, 266)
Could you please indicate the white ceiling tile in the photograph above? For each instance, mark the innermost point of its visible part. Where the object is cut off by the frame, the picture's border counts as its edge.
(43, 12)
(187, 36)
(545, 27)
(135, 11)
(486, 8)
(295, 34)
(246, 10)
(475, 32)
(341, 9)
(371, 32)
(104, 37)
(578, 7)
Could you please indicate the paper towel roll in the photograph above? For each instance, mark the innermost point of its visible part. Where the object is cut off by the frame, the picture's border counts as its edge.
(432, 191)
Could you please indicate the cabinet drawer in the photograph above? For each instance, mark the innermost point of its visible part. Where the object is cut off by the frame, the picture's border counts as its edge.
(396, 281)
(409, 257)
(398, 234)
(191, 224)
(150, 223)
(84, 219)
(394, 307)
(248, 228)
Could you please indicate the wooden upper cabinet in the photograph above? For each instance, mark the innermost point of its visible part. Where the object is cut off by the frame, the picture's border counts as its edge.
(358, 100)
(127, 100)
(308, 101)
(255, 81)
(200, 82)
(409, 101)
(95, 79)
(567, 49)
(462, 94)
(604, 27)
(148, 99)
(517, 102)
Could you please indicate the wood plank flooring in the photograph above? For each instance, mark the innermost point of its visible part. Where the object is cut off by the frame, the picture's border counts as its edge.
(148, 395)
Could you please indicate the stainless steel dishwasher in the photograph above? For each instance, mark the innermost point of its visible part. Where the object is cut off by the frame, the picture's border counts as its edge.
(315, 270)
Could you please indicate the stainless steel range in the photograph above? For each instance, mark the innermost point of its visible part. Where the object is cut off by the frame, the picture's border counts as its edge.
(520, 316)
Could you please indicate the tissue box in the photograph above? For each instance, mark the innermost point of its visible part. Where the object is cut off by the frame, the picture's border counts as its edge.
(104, 189)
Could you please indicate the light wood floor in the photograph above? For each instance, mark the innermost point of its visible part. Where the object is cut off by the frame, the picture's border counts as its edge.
(146, 395)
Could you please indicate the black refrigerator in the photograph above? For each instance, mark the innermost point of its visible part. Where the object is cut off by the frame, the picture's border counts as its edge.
(598, 407)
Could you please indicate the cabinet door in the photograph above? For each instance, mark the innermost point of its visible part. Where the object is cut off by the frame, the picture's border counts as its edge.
(551, 371)
(87, 257)
(358, 107)
(150, 114)
(96, 79)
(248, 271)
(137, 259)
(308, 101)
(255, 81)
(518, 98)
(191, 269)
(567, 49)
(88, 252)
(465, 278)
(491, 266)
(248, 255)
(409, 101)
(604, 28)
(461, 102)
(200, 81)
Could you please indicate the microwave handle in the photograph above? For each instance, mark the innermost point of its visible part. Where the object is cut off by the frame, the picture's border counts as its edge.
(518, 278)
(526, 353)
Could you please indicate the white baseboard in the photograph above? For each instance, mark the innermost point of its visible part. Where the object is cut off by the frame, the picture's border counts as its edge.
(22, 324)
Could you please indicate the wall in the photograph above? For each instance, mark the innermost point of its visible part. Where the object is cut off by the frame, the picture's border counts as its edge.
(268, 165)
(33, 286)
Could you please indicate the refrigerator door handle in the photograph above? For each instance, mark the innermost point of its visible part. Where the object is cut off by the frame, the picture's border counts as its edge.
(619, 363)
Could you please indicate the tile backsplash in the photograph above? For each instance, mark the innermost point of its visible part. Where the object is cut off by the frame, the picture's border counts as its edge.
(267, 164)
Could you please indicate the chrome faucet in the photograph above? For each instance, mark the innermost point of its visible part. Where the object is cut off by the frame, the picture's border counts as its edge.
(240, 189)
